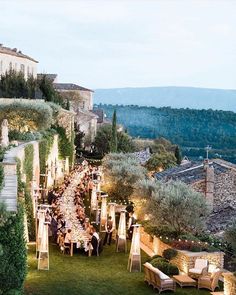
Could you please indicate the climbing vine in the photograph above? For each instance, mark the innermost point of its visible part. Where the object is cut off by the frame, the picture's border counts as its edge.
(28, 163)
(66, 145)
(1, 176)
(45, 146)
(24, 188)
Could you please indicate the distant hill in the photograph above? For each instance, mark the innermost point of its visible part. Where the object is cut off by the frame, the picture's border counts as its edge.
(175, 97)
(192, 129)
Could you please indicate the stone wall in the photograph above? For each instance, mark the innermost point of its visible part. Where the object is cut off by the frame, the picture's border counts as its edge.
(184, 259)
(229, 284)
(225, 190)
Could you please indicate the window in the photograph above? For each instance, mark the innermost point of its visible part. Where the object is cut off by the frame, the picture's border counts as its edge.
(1, 66)
(28, 71)
(15, 66)
(22, 68)
(10, 66)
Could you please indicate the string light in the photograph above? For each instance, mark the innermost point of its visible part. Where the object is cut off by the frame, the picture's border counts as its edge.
(200, 243)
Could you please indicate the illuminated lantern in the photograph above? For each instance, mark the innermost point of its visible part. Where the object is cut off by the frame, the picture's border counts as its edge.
(93, 205)
(112, 213)
(67, 166)
(121, 233)
(134, 262)
(103, 217)
(41, 218)
(43, 260)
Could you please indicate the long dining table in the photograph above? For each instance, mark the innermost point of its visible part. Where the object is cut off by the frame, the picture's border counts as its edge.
(79, 236)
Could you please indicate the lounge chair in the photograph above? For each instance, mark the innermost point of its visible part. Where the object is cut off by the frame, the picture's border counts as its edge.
(156, 278)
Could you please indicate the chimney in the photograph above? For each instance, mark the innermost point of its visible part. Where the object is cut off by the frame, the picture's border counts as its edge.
(210, 183)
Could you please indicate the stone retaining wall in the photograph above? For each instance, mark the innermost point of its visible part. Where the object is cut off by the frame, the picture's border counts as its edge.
(185, 259)
(229, 284)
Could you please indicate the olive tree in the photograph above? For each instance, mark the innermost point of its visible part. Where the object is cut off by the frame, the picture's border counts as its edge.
(122, 172)
(176, 206)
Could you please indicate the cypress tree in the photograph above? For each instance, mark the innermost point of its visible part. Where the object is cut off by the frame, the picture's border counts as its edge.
(113, 144)
(178, 155)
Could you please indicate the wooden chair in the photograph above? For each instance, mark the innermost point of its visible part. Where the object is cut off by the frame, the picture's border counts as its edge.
(64, 248)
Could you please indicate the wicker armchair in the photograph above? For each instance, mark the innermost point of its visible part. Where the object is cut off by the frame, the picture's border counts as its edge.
(200, 268)
(210, 282)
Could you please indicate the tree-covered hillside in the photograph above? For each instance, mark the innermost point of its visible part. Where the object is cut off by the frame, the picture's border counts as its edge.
(175, 97)
(189, 128)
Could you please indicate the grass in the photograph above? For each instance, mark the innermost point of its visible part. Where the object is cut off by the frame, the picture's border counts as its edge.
(81, 275)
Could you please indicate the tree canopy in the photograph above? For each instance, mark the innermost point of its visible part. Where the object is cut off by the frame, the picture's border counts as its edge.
(104, 137)
(122, 172)
(174, 205)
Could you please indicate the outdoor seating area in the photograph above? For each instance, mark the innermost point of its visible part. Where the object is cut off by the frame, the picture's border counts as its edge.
(202, 276)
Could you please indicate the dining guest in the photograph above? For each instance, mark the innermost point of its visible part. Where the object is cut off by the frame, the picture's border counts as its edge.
(68, 238)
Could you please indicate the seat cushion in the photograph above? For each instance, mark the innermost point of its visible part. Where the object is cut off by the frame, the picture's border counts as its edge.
(148, 265)
(161, 275)
(195, 270)
(200, 263)
(167, 282)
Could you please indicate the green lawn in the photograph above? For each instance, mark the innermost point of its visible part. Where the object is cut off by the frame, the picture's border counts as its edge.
(81, 275)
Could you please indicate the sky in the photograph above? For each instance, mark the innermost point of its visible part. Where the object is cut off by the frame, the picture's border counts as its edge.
(126, 43)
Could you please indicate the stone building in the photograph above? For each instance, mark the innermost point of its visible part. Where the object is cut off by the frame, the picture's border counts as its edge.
(13, 59)
(81, 102)
(216, 180)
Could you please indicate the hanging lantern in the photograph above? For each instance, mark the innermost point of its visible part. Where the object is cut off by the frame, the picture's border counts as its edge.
(103, 218)
(134, 262)
(121, 234)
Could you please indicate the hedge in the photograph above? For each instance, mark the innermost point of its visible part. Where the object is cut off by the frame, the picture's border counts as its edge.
(23, 114)
(13, 256)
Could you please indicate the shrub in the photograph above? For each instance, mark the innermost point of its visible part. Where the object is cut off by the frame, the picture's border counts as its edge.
(24, 136)
(153, 257)
(230, 236)
(163, 265)
(169, 253)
